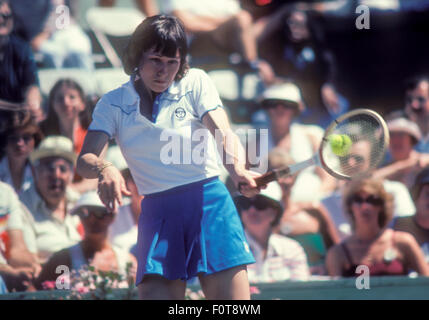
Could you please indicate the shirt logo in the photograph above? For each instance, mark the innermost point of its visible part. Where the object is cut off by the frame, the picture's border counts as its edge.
(180, 113)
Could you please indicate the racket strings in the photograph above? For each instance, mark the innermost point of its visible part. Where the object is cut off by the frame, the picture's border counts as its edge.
(368, 144)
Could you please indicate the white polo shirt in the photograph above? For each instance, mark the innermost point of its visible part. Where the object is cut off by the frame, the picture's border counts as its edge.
(175, 148)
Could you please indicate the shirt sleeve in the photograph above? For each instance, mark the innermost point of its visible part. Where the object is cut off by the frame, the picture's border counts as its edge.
(103, 118)
(16, 212)
(205, 95)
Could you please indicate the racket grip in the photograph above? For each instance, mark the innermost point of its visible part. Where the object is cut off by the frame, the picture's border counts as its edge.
(266, 178)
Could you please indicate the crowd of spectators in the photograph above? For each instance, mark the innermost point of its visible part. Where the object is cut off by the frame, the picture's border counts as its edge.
(306, 226)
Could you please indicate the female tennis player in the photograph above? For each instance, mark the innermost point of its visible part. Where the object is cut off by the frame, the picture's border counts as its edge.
(189, 225)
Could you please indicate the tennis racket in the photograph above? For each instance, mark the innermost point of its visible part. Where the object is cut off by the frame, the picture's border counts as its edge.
(369, 139)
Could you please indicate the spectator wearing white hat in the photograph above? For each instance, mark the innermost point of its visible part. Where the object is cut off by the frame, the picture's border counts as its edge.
(278, 258)
(124, 229)
(406, 161)
(283, 103)
(50, 227)
(95, 249)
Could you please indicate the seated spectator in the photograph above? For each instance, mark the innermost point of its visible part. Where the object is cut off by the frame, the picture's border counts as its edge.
(292, 42)
(66, 46)
(18, 142)
(418, 225)
(278, 258)
(283, 103)
(17, 265)
(95, 249)
(406, 162)
(403, 204)
(18, 71)
(69, 116)
(123, 231)
(226, 26)
(307, 223)
(417, 108)
(384, 251)
(49, 199)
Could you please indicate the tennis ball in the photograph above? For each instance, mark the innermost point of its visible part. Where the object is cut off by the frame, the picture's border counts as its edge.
(340, 144)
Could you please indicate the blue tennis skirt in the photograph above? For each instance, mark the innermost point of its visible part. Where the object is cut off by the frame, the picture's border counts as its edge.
(190, 229)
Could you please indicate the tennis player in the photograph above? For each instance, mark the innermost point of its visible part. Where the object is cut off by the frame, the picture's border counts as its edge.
(189, 225)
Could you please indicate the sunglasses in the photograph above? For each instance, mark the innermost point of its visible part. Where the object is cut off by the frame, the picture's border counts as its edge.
(16, 138)
(259, 202)
(269, 104)
(98, 212)
(372, 200)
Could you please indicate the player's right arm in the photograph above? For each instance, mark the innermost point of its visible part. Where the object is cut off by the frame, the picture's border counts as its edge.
(91, 165)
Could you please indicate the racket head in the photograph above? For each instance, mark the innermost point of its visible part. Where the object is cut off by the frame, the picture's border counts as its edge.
(369, 137)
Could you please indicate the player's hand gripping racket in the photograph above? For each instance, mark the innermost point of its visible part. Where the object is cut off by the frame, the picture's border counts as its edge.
(352, 146)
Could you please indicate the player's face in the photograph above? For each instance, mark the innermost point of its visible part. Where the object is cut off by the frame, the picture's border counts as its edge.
(358, 158)
(158, 71)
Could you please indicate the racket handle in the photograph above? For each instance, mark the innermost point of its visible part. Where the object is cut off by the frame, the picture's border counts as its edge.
(266, 178)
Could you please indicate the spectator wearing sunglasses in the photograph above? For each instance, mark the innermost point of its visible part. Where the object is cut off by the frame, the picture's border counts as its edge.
(384, 251)
(18, 70)
(418, 224)
(282, 104)
(278, 258)
(50, 199)
(358, 159)
(95, 249)
(18, 142)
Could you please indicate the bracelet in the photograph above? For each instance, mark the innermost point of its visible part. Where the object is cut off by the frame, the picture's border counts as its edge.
(254, 65)
(102, 167)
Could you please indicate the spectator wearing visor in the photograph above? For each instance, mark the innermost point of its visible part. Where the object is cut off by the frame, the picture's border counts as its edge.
(278, 258)
(95, 249)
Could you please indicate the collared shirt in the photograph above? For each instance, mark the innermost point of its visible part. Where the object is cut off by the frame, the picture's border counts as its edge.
(6, 177)
(46, 233)
(174, 147)
(285, 260)
(11, 211)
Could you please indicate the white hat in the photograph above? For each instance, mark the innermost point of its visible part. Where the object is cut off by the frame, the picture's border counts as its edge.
(54, 146)
(284, 91)
(114, 155)
(405, 125)
(89, 198)
(273, 191)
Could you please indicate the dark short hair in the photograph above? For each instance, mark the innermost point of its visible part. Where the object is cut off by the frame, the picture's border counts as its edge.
(166, 34)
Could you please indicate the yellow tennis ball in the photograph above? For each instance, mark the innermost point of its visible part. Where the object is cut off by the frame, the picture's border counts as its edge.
(340, 144)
